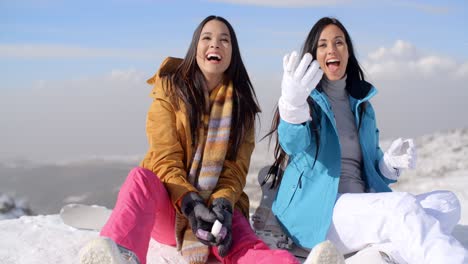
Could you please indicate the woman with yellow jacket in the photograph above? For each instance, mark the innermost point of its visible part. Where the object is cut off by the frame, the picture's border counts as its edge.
(188, 190)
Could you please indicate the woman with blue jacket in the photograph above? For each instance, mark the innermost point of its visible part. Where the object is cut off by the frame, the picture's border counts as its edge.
(335, 182)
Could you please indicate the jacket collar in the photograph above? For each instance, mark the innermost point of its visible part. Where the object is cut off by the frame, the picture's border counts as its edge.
(359, 92)
(355, 102)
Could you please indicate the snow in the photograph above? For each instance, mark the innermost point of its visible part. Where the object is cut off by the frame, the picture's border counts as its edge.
(46, 239)
(442, 164)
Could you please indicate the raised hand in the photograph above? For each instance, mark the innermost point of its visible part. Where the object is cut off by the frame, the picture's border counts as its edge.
(400, 155)
(299, 79)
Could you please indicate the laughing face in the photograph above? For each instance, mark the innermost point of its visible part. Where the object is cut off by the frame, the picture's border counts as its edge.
(214, 50)
(332, 52)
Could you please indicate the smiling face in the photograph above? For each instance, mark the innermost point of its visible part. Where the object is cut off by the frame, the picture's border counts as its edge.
(214, 50)
(332, 52)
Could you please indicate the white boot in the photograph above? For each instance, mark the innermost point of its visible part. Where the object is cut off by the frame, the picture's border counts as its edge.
(383, 253)
(372, 255)
(325, 253)
(103, 250)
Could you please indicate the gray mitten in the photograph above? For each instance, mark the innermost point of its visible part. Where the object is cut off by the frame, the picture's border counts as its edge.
(200, 217)
(223, 210)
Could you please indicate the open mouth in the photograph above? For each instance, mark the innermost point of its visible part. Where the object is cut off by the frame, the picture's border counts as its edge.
(213, 57)
(333, 64)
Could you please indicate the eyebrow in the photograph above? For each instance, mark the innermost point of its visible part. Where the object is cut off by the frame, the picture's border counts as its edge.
(337, 37)
(209, 33)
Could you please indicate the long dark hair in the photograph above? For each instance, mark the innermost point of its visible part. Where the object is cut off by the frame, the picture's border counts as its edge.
(187, 83)
(354, 76)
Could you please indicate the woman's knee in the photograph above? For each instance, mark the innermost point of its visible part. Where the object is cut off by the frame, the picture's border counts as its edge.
(442, 200)
(144, 182)
(444, 206)
(142, 173)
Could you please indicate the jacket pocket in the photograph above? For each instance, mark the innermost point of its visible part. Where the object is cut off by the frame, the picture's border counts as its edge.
(286, 193)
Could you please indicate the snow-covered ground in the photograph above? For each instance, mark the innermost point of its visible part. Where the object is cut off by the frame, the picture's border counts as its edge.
(442, 164)
(46, 239)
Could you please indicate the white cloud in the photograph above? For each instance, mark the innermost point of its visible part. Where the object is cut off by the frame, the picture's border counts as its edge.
(419, 92)
(403, 59)
(67, 51)
(401, 50)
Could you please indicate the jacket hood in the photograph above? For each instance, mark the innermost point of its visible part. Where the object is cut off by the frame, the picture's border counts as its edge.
(169, 65)
(358, 89)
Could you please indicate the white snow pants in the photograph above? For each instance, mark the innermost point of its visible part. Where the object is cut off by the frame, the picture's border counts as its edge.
(419, 227)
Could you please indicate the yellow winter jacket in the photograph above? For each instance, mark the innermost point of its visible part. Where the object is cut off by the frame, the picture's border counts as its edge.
(170, 149)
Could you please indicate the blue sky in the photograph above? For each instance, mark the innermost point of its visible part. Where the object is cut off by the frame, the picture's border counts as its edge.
(144, 31)
(52, 53)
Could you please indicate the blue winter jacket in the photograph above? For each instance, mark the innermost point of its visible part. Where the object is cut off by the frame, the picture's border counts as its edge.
(307, 193)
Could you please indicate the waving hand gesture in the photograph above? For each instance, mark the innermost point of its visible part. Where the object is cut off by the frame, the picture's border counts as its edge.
(299, 79)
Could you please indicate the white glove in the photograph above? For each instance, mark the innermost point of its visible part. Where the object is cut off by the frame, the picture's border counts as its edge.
(400, 155)
(296, 86)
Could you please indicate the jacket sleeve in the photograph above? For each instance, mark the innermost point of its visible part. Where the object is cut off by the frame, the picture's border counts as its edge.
(379, 159)
(294, 138)
(379, 155)
(166, 154)
(233, 177)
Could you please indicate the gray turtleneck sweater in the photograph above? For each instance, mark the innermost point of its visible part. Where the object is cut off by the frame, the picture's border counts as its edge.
(351, 156)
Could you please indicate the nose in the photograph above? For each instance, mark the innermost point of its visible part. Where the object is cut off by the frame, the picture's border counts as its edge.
(331, 49)
(214, 44)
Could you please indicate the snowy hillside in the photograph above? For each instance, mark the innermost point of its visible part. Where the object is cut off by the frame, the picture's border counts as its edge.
(442, 164)
(440, 155)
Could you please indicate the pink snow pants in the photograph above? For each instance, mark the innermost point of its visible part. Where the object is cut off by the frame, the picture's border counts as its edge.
(143, 211)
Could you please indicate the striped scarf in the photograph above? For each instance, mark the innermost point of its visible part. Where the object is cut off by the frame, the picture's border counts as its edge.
(208, 161)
